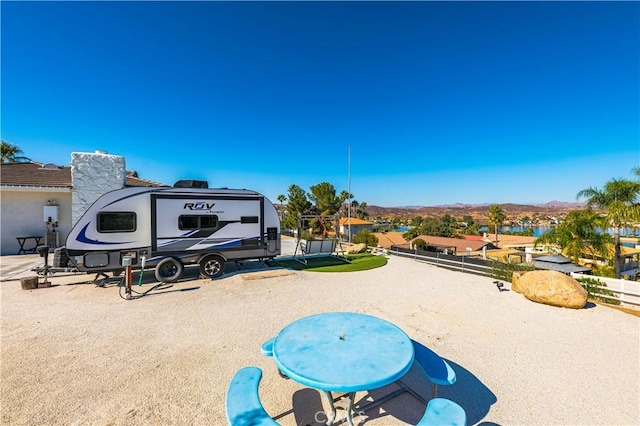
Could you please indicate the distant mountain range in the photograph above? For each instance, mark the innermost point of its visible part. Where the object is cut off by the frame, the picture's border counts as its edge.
(477, 211)
(550, 204)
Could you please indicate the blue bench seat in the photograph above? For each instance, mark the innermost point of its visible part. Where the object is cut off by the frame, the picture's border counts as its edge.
(437, 370)
(243, 404)
(443, 412)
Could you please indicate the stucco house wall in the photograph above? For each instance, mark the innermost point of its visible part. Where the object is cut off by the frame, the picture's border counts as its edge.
(22, 215)
(357, 225)
(26, 188)
(344, 229)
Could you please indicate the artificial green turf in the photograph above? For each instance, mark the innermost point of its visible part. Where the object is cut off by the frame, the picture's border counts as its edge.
(356, 262)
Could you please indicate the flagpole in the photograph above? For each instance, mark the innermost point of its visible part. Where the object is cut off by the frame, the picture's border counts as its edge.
(349, 191)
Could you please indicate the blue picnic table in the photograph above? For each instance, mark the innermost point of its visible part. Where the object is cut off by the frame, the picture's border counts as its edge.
(343, 352)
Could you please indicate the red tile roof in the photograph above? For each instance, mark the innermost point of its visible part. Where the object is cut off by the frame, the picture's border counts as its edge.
(32, 174)
(509, 241)
(388, 239)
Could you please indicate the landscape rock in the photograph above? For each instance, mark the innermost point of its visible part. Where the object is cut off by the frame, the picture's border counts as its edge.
(515, 281)
(552, 288)
(356, 248)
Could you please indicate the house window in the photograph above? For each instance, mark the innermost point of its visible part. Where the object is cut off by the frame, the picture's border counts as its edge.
(186, 222)
(116, 222)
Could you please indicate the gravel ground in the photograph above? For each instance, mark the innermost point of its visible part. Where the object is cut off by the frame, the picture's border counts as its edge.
(79, 354)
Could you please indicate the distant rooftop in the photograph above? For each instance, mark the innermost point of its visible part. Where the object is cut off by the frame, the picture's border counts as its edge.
(558, 263)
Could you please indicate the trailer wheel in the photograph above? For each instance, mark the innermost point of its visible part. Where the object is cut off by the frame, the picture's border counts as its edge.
(211, 266)
(169, 270)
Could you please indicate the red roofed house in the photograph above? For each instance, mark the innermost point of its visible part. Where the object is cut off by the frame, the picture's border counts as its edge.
(357, 225)
(454, 246)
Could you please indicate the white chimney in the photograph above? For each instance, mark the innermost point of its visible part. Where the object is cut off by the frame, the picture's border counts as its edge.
(92, 175)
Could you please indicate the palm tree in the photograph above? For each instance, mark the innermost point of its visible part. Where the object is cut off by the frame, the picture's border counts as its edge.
(497, 217)
(577, 236)
(619, 202)
(282, 198)
(362, 211)
(10, 153)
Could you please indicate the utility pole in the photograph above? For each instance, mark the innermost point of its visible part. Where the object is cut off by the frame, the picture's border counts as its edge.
(349, 191)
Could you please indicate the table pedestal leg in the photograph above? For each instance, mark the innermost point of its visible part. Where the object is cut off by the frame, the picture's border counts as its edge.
(331, 417)
(352, 396)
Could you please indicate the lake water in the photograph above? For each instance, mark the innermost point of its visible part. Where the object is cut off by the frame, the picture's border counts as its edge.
(539, 230)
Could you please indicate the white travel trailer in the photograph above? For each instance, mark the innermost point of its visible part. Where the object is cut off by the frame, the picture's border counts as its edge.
(170, 227)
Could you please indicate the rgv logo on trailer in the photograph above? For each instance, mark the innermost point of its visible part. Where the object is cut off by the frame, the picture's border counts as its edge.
(199, 206)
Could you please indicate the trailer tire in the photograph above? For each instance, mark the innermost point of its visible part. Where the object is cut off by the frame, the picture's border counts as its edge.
(211, 266)
(169, 270)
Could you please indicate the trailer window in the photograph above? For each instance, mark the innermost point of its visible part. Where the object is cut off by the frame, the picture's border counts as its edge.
(116, 222)
(186, 222)
(249, 219)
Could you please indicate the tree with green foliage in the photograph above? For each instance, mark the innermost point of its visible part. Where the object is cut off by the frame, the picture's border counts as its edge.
(618, 200)
(410, 234)
(416, 221)
(347, 205)
(298, 204)
(436, 227)
(327, 203)
(473, 227)
(419, 244)
(367, 237)
(282, 198)
(11, 153)
(448, 221)
(578, 236)
(323, 196)
(361, 211)
(497, 217)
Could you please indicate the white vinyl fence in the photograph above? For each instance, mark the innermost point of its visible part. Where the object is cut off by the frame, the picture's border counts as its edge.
(627, 292)
(463, 264)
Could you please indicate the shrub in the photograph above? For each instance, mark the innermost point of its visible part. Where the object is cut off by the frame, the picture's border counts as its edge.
(365, 236)
(504, 271)
(420, 244)
(597, 290)
(603, 271)
(306, 235)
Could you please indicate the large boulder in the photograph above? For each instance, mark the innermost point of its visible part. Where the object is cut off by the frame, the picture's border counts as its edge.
(515, 281)
(356, 248)
(552, 288)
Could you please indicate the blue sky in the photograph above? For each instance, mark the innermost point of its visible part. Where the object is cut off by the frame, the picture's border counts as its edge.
(439, 102)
